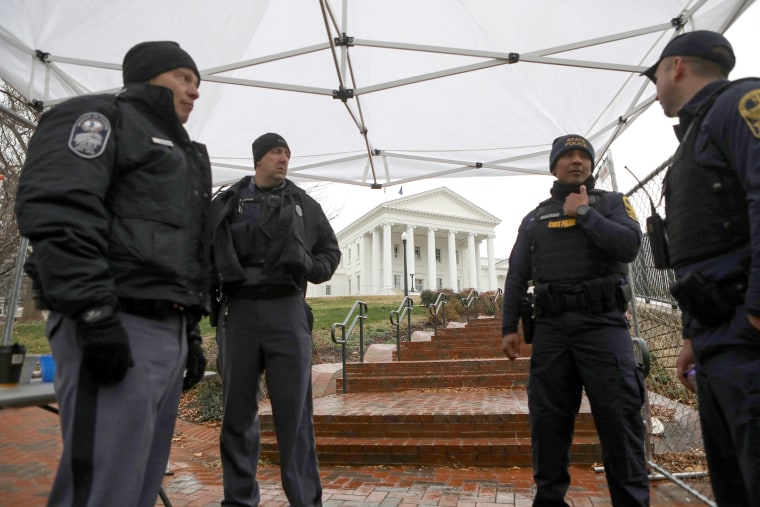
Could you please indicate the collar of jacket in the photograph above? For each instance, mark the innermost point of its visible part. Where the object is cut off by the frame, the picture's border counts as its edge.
(689, 110)
(561, 190)
(157, 101)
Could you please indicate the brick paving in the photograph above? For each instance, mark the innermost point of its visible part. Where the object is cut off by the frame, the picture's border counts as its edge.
(30, 446)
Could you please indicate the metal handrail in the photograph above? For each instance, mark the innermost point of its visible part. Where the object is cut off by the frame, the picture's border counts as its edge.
(466, 302)
(434, 308)
(344, 335)
(405, 308)
(495, 300)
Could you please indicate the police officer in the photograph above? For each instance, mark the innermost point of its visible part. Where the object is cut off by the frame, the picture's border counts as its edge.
(712, 191)
(270, 239)
(575, 247)
(115, 199)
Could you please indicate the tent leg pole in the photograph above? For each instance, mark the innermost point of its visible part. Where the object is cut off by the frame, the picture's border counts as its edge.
(16, 286)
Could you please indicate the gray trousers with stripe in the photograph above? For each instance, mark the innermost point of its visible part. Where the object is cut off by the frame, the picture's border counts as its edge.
(116, 439)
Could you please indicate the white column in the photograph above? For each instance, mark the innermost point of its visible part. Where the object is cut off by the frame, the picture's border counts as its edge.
(431, 274)
(409, 256)
(472, 261)
(452, 261)
(491, 264)
(364, 253)
(387, 257)
(375, 261)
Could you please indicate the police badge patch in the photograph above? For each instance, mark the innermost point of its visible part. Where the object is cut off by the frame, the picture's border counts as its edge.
(749, 108)
(89, 135)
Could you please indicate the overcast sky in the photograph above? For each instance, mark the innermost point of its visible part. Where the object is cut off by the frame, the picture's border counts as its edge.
(647, 143)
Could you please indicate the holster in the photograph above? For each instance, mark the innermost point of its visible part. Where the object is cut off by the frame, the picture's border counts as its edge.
(527, 317)
(709, 301)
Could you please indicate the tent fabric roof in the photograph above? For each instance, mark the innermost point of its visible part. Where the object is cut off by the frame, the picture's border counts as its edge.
(375, 92)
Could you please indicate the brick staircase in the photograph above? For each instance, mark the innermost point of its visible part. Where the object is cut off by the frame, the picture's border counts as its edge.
(454, 400)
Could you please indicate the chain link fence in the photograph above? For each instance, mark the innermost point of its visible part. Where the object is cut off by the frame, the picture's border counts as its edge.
(674, 445)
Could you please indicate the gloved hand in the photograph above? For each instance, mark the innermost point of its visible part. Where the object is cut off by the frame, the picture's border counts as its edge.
(195, 366)
(106, 353)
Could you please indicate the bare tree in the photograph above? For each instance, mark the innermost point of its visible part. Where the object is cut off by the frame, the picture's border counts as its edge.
(17, 119)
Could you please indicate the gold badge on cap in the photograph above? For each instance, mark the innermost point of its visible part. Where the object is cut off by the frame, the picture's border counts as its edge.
(749, 108)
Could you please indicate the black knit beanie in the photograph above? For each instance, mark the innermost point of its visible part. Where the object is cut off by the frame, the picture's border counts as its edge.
(149, 59)
(563, 144)
(266, 142)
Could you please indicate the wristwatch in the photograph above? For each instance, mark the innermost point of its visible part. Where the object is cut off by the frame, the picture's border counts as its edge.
(581, 210)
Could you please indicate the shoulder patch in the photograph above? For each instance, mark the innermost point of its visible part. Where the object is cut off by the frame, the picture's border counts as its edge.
(749, 108)
(629, 209)
(89, 135)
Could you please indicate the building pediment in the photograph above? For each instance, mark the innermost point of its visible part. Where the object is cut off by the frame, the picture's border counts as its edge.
(429, 207)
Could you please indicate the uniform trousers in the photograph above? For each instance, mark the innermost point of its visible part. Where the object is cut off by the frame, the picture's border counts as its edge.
(572, 351)
(728, 380)
(117, 438)
(272, 335)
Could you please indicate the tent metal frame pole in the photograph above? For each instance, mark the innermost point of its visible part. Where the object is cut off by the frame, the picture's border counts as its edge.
(18, 273)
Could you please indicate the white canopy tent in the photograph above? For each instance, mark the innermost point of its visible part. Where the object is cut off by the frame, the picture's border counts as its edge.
(372, 93)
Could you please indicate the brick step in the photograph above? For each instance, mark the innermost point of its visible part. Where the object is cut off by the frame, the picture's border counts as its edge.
(377, 383)
(458, 452)
(428, 427)
(437, 367)
(461, 426)
(433, 353)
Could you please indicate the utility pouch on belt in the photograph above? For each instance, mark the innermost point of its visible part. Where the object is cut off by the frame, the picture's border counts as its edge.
(710, 302)
(527, 317)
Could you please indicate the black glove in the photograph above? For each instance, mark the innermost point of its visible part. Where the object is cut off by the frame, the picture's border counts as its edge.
(106, 354)
(195, 366)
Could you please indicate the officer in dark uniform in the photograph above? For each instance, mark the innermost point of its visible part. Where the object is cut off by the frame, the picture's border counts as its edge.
(270, 239)
(575, 248)
(115, 199)
(712, 197)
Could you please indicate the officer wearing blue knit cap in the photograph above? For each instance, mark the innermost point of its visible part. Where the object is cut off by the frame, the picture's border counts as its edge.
(575, 248)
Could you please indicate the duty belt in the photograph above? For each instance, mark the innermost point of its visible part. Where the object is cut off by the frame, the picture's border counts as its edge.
(151, 308)
(264, 292)
(598, 295)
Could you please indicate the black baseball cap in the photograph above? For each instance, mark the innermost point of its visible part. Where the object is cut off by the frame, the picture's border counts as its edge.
(701, 43)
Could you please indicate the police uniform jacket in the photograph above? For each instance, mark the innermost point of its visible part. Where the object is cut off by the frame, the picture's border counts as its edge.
(115, 199)
(610, 229)
(726, 143)
(302, 248)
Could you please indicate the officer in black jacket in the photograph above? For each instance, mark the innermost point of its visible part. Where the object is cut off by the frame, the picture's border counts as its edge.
(115, 199)
(575, 248)
(712, 207)
(270, 239)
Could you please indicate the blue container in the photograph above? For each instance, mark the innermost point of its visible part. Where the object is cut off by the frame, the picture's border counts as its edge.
(47, 367)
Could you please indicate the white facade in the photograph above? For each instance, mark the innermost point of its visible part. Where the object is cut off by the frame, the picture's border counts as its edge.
(449, 245)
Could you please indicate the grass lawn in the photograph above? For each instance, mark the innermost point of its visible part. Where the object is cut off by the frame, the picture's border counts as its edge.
(327, 311)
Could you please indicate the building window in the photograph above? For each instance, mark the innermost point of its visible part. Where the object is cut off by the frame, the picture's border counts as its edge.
(438, 255)
(395, 251)
(417, 253)
(349, 255)
(349, 286)
(439, 283)
(358, 284)
(357, 252)
(328, 290)
(457, 256)
(397, 281)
